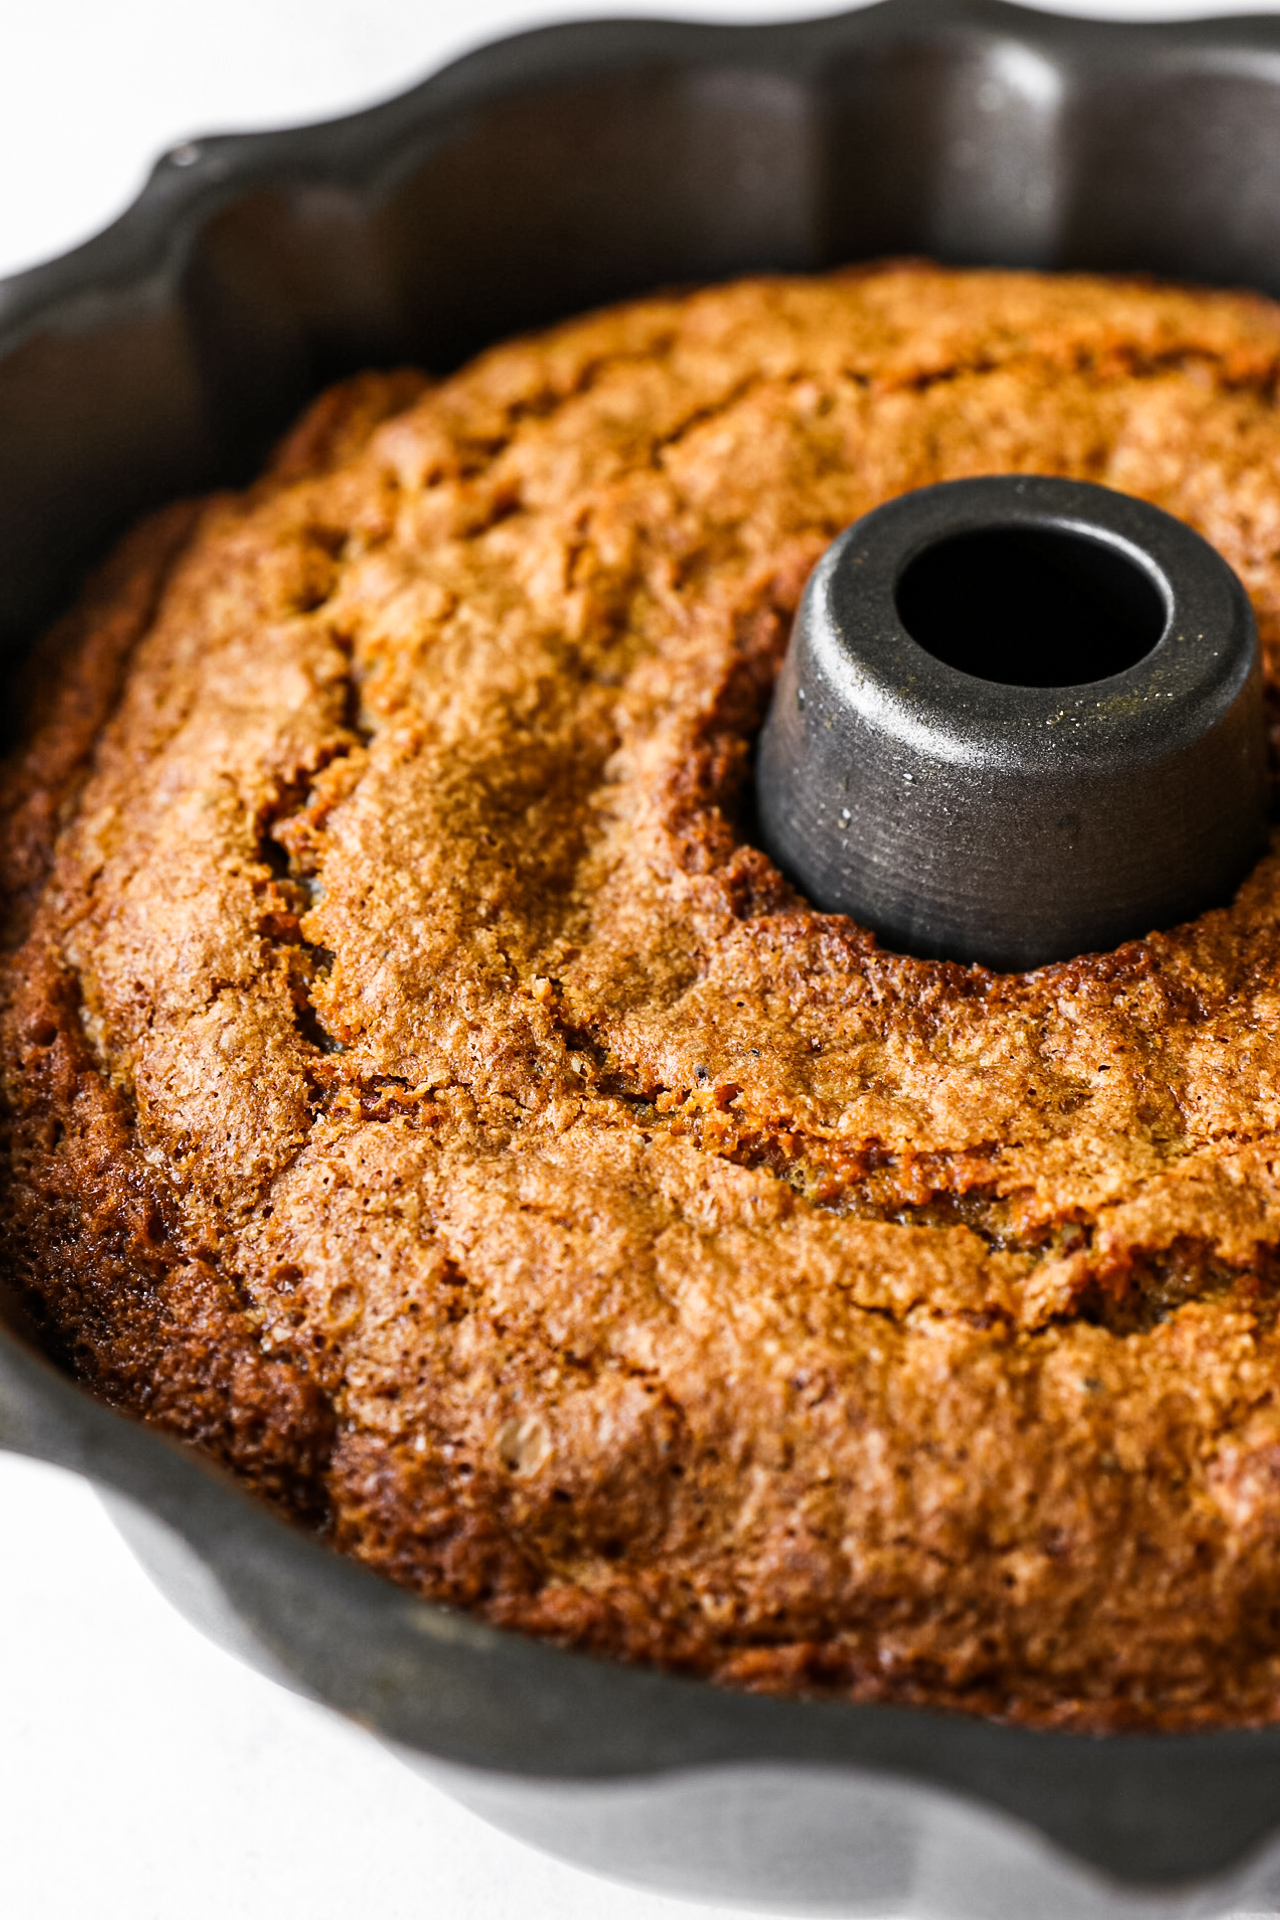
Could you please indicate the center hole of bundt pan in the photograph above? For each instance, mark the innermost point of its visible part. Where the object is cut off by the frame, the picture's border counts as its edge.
(1030, 606)
(1020, 719)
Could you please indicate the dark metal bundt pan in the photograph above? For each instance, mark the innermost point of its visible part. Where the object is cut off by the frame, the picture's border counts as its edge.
(538, 176)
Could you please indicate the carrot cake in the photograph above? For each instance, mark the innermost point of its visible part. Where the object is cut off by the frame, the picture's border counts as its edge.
(421, 1094)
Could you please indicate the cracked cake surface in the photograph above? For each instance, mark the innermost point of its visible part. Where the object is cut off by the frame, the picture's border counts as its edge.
(421, 1094)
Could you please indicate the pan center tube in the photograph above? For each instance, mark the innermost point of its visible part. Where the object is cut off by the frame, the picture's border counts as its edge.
(1020, 719)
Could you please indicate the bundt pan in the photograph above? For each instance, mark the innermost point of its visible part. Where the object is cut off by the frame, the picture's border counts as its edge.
(536, 177)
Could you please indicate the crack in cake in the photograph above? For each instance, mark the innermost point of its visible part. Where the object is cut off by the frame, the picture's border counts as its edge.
(420, 1094)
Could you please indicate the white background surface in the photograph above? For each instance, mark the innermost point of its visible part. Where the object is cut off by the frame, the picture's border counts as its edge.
(144, 1775)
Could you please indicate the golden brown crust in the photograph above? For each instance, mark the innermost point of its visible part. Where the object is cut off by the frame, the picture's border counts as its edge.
(74, 681)
(421, 1093)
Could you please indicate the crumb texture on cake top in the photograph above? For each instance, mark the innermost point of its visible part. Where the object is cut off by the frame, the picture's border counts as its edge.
(419, 1091)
